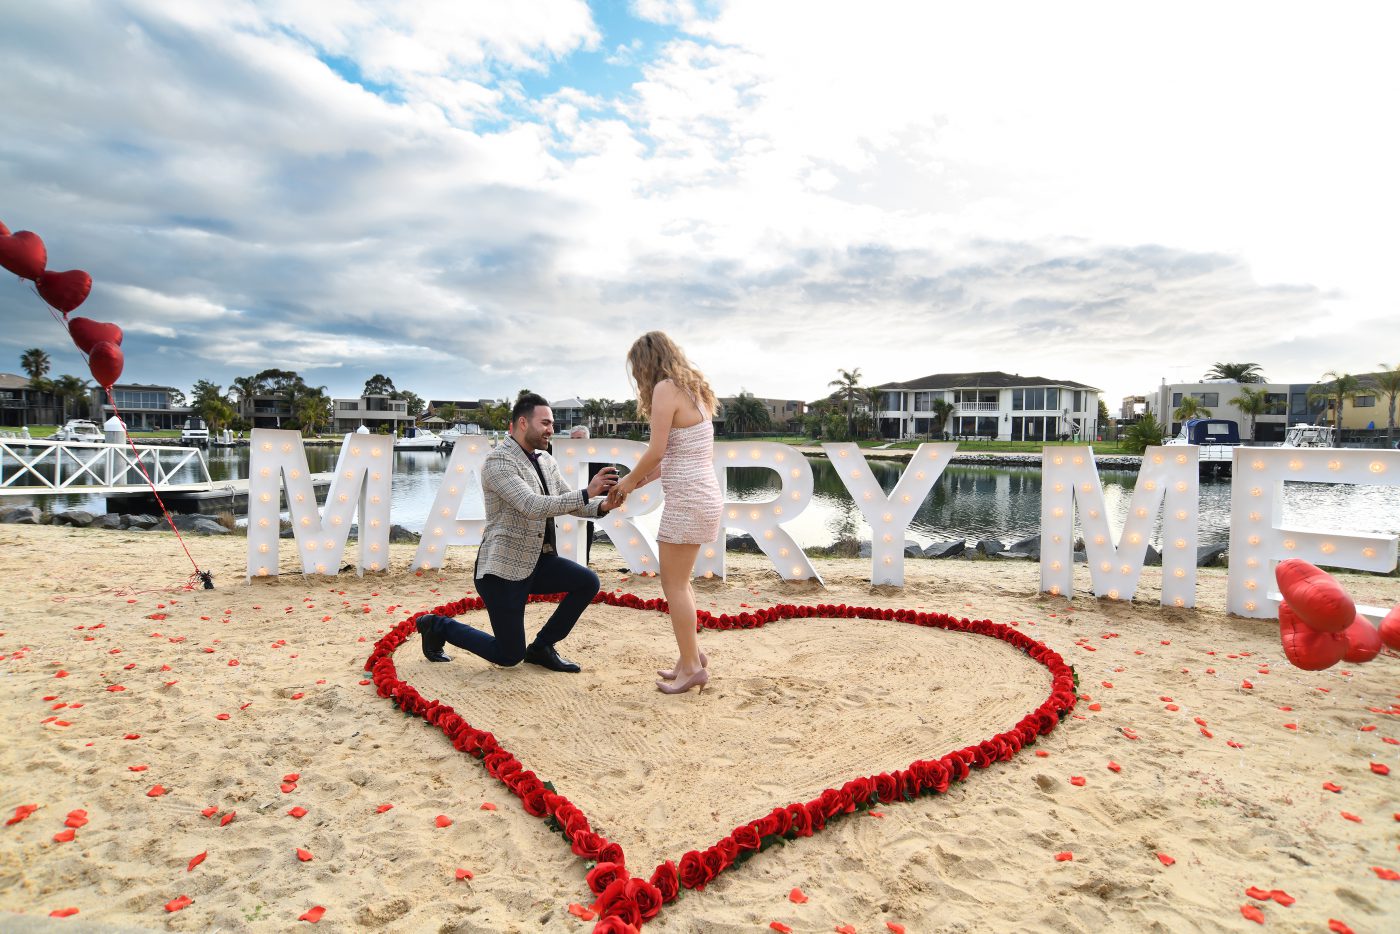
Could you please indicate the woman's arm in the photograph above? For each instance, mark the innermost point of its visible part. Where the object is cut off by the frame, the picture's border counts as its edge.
(664, 400)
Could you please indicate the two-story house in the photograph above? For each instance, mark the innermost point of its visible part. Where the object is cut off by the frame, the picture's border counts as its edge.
(142, 407)
(991, 405)
(373, 412)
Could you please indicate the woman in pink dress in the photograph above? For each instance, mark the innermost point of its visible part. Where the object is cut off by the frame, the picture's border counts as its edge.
(676, 398)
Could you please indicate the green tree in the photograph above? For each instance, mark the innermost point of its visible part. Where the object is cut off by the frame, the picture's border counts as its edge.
(415, 402)
(447, 412)
(1103, 414)
(1336, 387)
(1388, 385)
(1189, 408)
(36, 363)
(745, 414)
(493, 416)
(68, 387)
(942, 411)
(313, 410)
(1141, 434)
(847, 386)
(208, 402)
(379, 385)
(594, 413)
(1251, 403)
(1237, 372)
(247, 387)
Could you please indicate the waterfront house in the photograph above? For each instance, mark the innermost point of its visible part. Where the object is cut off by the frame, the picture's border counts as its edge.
(21, 404)
(990, 405)
(783, 414)
(1287, 404)
(379, 413)
(142, 407)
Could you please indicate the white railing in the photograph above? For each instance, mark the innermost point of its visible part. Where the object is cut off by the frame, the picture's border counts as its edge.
(979, 406)
(37, 467)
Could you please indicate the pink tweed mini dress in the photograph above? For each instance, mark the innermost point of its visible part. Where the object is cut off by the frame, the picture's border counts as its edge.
(691, 512)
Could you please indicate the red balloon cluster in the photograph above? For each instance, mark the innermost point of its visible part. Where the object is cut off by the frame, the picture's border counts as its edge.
(24, 254)
(1318, 622)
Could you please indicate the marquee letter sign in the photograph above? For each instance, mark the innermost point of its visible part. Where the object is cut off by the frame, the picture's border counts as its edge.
(763, 520)
(363, 477)
(1168, 474)
(1258, 540)
(889, 516)
(635, 546)
(445, 525)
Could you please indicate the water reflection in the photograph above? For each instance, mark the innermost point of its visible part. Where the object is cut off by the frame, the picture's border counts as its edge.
(968, 502)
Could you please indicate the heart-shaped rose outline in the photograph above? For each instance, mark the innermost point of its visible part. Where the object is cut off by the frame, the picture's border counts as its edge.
(625, 900)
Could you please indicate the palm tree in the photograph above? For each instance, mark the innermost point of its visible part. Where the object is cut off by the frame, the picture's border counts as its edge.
(745, 414)
(67, 387)
(1388, 385)
(942, 410)
(1336, 387)
(1251, 402)
(848, 385)
(1237, 372)
(1141, 433)
(593, 413)
(446, 412)
(313, 410)
(1189, 408)
(36, 363)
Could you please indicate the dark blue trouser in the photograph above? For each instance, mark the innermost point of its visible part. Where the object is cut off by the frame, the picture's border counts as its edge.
(505, 606)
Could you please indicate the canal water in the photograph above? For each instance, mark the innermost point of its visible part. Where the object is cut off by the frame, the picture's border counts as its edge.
(968, 502)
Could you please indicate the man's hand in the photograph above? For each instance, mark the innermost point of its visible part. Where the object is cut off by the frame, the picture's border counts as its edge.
(602, 482)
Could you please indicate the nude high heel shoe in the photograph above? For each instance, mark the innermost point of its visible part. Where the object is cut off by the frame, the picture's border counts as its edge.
(670, 673)
(699, 679)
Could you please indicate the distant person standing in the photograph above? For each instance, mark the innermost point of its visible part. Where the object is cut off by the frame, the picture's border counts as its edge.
(679, 402)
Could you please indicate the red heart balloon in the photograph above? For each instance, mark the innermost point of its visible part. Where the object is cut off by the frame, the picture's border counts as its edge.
(87, 333)
(64, 290)
(1305, 647)
(1315, 596)
(1363, 641)
(1390, 629)
(23, 254)
(105, 360)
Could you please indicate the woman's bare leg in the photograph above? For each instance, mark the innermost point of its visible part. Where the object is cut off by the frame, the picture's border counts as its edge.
(677, 566)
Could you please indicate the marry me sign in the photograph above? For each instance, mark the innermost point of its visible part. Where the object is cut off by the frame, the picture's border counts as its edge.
(1167, 487)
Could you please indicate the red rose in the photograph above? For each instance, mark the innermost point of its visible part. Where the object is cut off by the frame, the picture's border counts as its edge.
(714, 861)
(588, 844)
(614, 925)
(645, 896)
(886, 788)
(612, 853)
(728, 851)
(666, 881)
(858, 790)
(833, 802)
(603, 875)
(801, 820)
(615, 901)
(779, 820)
(575, 823)
(747, 837)
(816, 814)
(693, 874)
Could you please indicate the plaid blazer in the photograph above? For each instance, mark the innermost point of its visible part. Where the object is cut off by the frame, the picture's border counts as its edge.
(516, 509)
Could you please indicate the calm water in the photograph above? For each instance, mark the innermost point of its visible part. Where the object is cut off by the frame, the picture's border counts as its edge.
(967, 502)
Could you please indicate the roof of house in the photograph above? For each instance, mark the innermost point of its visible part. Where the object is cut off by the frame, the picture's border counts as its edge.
(11, 381)
(988, 379)
(567, 404)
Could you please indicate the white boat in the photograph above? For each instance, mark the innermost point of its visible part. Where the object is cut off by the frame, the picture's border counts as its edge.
(194, 432)
(460, 430)
(422, 439)
(80, 429)
(1217, 439)
(1304, 435)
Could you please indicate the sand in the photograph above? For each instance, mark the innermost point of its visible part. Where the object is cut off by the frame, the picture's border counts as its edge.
(1221, 779)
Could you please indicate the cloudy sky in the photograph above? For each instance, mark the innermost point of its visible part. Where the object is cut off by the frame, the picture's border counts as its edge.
(475, 197)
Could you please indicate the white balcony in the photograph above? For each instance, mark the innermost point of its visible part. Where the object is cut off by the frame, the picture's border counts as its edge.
(979, 407)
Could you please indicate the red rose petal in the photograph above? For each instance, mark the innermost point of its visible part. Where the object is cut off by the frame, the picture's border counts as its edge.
(463, 874)
(1064, 856)
(382, 808)
(1255, 892)
(64, 836)
(797, 897)
(292, 777)
(156, 791)
(1351, 817)
(845, 929)
(1290, 726)
(1077, 780)
(313, 914)
(224, 821)
(1282, 897)
(488, 806)
(288, 787)
(196, 860)
(1114, 767)
(222, 716)
(1380, 768)
(1329, 786)
(76, 818)
(895, 928)
(1389, 875)
(780, 927)
(298, 812)
(1338, 927)
(1107, 684)
(136, 768)
(1252, 913)
(63, 912)
(580, 912)
(179, 902)
(210, 811)
(442, 820)
(1166, 860)
(1041, 753)
(304, 855)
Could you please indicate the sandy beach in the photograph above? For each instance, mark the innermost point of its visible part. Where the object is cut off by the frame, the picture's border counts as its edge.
(168, 723)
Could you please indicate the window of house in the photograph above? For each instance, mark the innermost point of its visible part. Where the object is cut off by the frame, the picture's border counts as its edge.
(1176, 399)
(1018, 401)
(1052, 398)
(1208, 398)
(1365, 402)
(1079, 400)
(1275, 403)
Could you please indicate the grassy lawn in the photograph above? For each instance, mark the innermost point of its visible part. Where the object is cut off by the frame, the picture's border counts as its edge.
(1018, 447)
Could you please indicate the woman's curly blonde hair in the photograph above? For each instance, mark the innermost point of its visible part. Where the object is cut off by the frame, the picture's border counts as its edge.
(655, 357)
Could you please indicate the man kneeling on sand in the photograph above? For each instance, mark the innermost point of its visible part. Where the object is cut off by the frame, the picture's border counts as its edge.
(524, 491)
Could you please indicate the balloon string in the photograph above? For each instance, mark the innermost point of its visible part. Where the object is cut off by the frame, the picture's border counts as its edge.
(154, 492)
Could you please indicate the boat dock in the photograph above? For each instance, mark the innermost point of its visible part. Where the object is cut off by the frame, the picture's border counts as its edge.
(221, 496)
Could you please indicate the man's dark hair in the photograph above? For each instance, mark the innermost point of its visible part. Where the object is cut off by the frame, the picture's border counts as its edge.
(525, 405)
